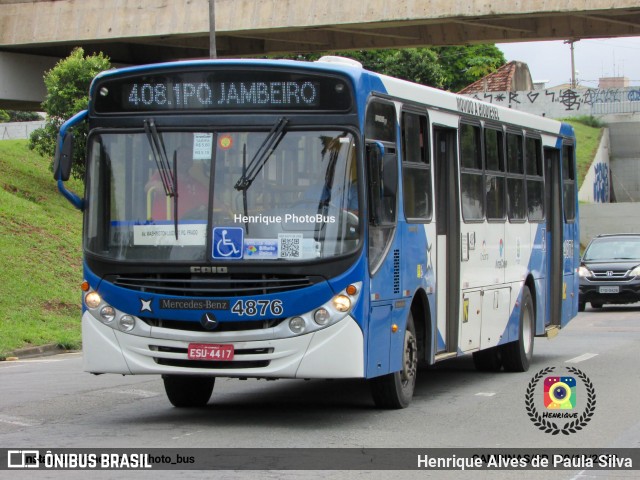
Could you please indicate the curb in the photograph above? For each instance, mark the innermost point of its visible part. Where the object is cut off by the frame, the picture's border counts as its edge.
(31, 352)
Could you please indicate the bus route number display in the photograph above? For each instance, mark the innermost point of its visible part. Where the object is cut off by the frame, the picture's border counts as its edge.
(183, 95)
(222, 90)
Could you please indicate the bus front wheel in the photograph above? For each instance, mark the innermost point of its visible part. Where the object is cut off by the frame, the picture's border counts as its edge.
(395, 390)
(516, 356)
(186, 391)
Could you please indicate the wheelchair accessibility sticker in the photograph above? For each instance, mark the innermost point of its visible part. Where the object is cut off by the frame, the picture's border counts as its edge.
(228, 242)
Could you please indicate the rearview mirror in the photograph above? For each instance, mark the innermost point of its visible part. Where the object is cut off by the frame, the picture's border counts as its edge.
(63, 158)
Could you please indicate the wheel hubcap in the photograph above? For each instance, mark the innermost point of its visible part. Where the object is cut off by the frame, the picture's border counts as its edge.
(527, 330)
(410, 358)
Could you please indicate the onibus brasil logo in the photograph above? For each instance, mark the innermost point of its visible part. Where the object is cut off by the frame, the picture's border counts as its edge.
(561, 401)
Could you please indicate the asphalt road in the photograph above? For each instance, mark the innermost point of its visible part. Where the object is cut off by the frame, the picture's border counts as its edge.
(49, 402)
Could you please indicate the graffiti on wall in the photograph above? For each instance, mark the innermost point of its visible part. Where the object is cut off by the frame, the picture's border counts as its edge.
(601, 183)
(571, 99)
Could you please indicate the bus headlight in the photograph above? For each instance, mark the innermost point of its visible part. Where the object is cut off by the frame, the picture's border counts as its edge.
(126, 323)
(297, 325)
(332, 312)
(342, 303)
(92, 300)
(321, 316)
(107, 314)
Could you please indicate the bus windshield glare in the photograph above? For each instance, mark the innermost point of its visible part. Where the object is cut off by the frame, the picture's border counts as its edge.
(236, 196)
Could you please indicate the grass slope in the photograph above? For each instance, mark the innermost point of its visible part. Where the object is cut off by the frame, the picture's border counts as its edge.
(40, 245)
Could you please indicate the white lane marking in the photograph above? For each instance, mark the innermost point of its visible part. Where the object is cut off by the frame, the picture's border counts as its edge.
(19, 421)
(582, 358)
(185, 435)
(485, 394)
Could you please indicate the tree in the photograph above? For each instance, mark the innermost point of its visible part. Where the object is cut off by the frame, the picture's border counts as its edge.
(18, 116)
(464, 65)
(67, 86)
(449, 68)
(419, 65)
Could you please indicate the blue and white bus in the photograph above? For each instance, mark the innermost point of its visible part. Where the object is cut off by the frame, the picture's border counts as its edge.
(281, 219)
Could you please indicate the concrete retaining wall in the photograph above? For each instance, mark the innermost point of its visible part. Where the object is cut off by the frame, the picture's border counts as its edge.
(563, 103)
(18, 130)
(595, 186)
(597, 218)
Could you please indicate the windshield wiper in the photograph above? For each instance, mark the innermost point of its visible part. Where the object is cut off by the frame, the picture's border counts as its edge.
(261, 156)
(160, 156)
(167, 175)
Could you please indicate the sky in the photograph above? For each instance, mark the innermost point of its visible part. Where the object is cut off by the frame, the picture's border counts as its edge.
(593, 58)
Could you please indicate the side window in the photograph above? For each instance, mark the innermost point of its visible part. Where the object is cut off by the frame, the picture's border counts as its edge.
(494, 174)
(471, 177)
(569, 183)
(381, 122)
(416, 168)
(535, 179)
(382, 171)
(516, 201)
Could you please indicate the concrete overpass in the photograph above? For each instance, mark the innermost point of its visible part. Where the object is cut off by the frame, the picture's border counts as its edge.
(143, 31)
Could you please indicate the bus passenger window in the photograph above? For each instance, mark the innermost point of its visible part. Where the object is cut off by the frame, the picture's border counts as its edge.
(416, 168)
(494, 158)
(569, 183)
(516, 200)
(471, 178)
(535, 179)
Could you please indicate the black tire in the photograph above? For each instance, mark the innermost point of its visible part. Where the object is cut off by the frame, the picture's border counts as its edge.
(489, 360)
(596, 305)
(516, 356)
(395, 390)
(581, 306)
(186, 391)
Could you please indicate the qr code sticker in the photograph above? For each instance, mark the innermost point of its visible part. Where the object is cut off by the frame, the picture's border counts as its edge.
(290, 245)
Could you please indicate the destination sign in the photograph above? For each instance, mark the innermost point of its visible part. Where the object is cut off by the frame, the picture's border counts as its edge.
(222, 90)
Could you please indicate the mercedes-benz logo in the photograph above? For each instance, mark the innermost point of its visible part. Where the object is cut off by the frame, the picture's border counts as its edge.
(209, 321)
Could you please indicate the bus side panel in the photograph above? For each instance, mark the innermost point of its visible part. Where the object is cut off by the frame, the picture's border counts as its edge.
(538, 269)
(536, 266)
(379, 339)
(570, 279)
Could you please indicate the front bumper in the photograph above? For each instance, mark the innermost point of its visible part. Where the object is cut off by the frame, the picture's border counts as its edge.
(333, 352)
(590, 292)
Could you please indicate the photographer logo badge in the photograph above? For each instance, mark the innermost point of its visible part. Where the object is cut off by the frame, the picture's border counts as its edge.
(566, 402)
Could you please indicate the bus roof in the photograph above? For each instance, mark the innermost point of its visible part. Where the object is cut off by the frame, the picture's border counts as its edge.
(367, 81)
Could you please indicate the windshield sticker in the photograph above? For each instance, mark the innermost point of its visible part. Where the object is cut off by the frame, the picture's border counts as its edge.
(255, 249)
(225, 142)
(202, 146)
(290, 245)
(228, 243)
(165, 235)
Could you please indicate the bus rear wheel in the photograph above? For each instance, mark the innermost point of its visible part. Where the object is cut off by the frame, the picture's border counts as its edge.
(395, 390)
(187, 391)
(516, 356)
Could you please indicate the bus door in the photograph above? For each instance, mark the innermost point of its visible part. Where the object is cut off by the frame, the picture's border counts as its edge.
(553, 237)
(447, 239)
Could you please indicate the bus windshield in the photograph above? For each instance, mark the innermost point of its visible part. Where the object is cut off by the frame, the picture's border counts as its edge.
(233, 196)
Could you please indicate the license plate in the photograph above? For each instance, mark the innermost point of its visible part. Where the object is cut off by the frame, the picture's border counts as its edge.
(202, 351)
(609, 290)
